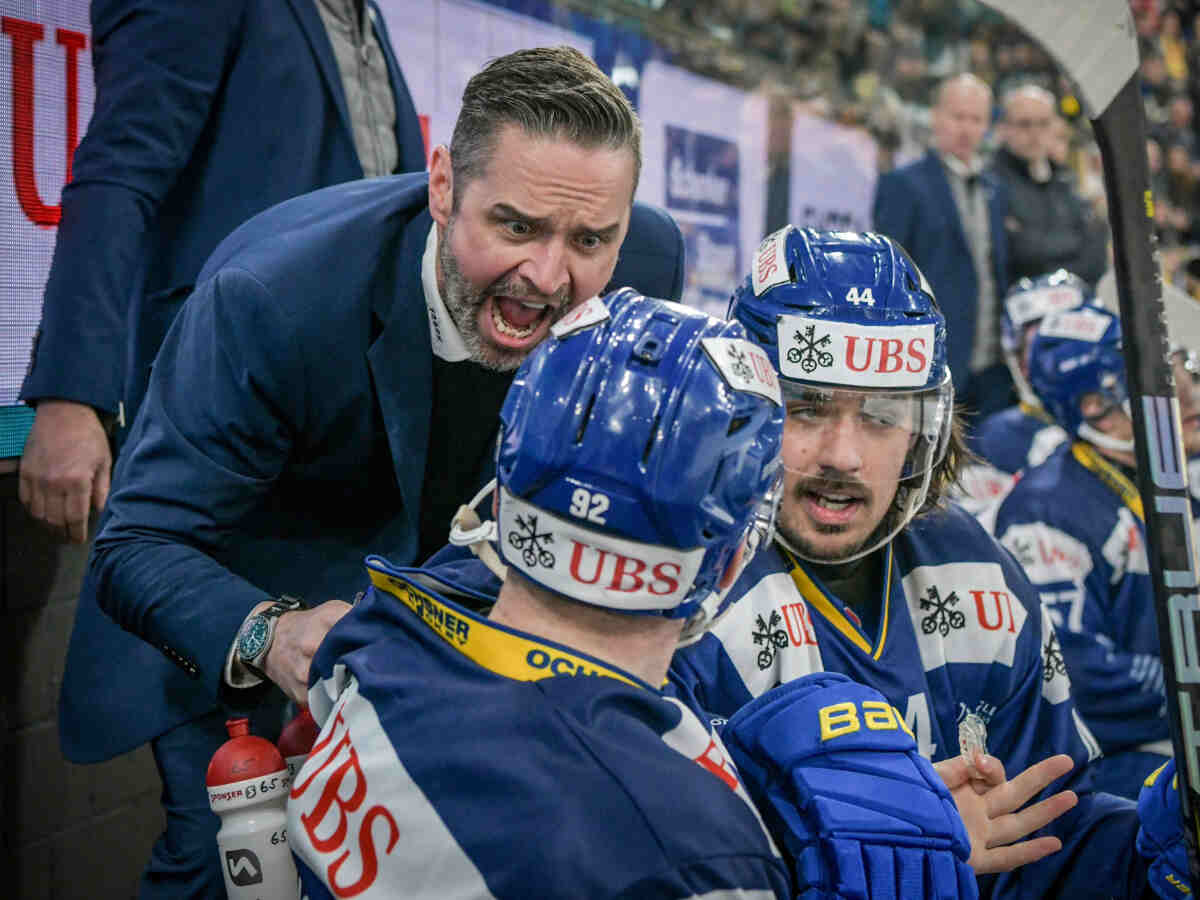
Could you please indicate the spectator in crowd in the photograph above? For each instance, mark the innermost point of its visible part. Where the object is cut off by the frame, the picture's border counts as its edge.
(1183, 191)
(1179, 127)
(1156, 87)
(327, 429)
(1088, 557)
(948, 212)
(204, 115)
(1049, 226)
(1173, 45)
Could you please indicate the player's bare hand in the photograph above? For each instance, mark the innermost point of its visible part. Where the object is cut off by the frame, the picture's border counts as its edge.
(297, 636)
(65, 468)
(991, 807)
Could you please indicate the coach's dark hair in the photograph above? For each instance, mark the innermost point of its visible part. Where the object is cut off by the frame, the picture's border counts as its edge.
(548, 92)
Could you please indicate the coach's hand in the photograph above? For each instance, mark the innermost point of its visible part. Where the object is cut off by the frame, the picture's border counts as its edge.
(297, 636)
(65, 468)
(991, 807)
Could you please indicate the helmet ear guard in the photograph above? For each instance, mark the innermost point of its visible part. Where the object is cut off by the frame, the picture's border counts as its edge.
(852, 315)
(635, 452)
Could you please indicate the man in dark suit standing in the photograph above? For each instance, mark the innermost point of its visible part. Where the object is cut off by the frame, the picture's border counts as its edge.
(948, 213)
(331, 389)
(206, 113)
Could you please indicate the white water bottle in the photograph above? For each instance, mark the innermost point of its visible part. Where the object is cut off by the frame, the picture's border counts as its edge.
(248, 788)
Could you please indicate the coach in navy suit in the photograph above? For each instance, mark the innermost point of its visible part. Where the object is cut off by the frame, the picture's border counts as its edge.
(948, 213)
(205, 114)
(332, 388)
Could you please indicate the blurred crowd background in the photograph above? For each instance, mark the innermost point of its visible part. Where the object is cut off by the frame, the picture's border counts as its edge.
(873, 64)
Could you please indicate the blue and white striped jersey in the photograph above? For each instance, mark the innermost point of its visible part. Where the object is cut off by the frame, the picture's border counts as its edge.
(460, 758)
(1075, 523)
(1007, 442)
(961, 631)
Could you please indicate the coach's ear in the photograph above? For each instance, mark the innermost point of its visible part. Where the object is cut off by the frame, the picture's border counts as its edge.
(441, 185)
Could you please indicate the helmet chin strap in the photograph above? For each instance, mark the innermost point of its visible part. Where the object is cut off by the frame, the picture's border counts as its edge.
(1100, 439)
(468, 530)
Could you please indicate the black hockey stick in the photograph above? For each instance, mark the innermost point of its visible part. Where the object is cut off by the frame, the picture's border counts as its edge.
(1095, 43)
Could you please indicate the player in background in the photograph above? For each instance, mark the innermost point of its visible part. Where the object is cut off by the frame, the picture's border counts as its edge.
(872, 576)
(1023, 435)
(1076, 525)
(531, 752)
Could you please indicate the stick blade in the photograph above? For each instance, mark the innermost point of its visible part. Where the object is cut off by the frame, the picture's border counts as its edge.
(1097, 48)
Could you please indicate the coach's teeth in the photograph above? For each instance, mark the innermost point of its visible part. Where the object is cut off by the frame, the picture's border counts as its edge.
(538, 306)
(508, 330)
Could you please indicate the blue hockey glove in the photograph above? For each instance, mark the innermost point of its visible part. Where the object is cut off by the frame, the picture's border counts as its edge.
(857, 811)
(1160, 838)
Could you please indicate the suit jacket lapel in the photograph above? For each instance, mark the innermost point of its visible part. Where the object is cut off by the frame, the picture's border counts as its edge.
(401, 364)
(318, 39)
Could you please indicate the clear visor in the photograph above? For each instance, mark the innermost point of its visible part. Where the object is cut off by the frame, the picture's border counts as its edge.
(873, 437)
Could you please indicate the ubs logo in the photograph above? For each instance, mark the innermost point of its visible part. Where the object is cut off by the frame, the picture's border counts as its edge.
(810, 352)
(532, 543)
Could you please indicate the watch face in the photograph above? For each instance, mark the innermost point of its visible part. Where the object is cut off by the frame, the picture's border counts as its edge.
(253, 638)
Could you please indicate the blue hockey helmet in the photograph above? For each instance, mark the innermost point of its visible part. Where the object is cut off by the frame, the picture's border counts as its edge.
(638, 448)
(1075, 353)
(852, 315)
(1028, 302)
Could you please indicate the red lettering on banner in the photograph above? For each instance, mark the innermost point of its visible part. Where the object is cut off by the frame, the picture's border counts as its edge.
(767, 264)
(577, 557)
(370, 861)
(851, 339)
(714, 760)
(799, 625)
(669, 582)
(626, 571)
(1001, 603)
(893, 355)
(889, 356)
(1052, 554)
(23, 36)
(620, 573)
(916, 353)
(346, 756)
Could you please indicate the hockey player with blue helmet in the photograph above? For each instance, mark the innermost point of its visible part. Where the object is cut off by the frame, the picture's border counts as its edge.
(531, 752)
(874, 575)
(1023, 435)
(1087, 556)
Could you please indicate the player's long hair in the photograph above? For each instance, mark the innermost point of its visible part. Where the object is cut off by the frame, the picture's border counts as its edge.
(946, 473)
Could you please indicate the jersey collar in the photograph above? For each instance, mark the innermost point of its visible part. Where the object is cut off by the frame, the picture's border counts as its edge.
(497, 648)
(1112, 477)
(834, 611)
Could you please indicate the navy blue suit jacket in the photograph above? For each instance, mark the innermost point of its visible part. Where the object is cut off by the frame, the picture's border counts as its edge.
(206, 114)
(282, 439)
(915, 206)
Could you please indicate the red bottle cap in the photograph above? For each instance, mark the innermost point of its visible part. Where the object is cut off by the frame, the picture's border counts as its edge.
(243, 756)
(299, 735)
